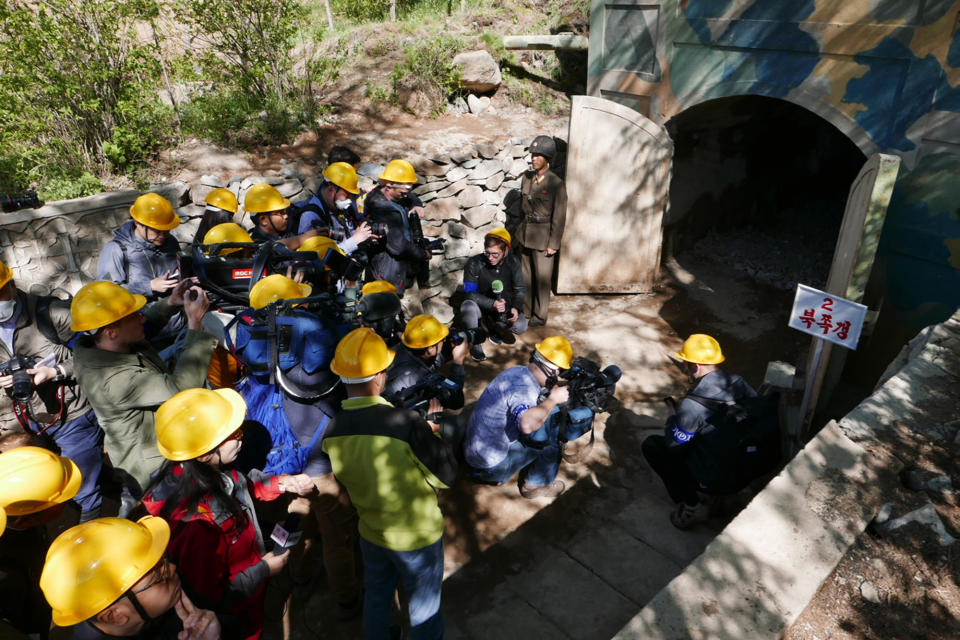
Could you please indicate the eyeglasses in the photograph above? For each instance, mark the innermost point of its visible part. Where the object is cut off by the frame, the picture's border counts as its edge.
(493, 254)
(163, 571)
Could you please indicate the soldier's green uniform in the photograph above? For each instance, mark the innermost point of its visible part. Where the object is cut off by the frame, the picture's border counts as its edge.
(543, 209)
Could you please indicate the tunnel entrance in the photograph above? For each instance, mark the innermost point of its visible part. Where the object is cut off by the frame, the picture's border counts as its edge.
(759, 183)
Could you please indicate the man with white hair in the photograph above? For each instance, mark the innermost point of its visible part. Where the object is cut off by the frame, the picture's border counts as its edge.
(519, 402)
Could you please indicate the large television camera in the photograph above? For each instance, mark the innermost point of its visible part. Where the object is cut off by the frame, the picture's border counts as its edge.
(418, 396)
(589, 386)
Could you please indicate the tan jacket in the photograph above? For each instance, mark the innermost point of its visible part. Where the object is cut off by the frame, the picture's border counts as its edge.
(543, 210)
(125, 389)
(29, 341)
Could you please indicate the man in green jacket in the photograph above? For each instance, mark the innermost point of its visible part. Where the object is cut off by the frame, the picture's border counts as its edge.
(392, 462)
(124, 378)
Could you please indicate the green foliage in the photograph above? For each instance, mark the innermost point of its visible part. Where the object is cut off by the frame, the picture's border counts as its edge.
(77, 92)
(426, 67)
(379, 10)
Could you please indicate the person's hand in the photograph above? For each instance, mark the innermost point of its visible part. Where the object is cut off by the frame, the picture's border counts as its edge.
(162, 284)
(42, 374)
(6, 381)
(296, 276)
(300, 484)
(514, 315)
(198, 624)
(500, 305)
(560, 394)
(549, 252)
(418, 211)
(460, 351)
(363, 232)
(195, 305)
(276, 563)
(179, 292)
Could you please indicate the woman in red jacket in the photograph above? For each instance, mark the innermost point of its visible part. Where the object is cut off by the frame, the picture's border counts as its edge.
(215, 538)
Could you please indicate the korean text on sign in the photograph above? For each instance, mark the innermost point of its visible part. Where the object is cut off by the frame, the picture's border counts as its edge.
(827, 316)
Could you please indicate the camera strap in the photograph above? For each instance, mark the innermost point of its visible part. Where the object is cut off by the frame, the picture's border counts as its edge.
(25, 417)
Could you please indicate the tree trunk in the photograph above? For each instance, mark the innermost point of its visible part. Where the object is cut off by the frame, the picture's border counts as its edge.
(463, 5)
(393, 10)
(329, 13)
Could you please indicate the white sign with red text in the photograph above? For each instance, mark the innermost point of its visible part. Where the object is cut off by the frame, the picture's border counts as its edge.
(827, 316)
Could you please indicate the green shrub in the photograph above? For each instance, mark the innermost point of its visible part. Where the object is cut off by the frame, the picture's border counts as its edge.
(426, 68)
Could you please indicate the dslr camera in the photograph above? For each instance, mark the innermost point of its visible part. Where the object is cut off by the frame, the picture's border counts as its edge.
(17, 366)
(418, 396)
(27, 200)
(473, 336)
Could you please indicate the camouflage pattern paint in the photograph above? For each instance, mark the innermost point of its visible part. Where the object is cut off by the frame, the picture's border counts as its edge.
(885, 73)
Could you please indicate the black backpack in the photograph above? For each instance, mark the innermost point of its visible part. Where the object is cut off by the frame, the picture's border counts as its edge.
(741, 441)
(45, 322)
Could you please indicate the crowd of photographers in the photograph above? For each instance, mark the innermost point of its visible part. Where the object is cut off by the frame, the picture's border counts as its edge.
(226, 411)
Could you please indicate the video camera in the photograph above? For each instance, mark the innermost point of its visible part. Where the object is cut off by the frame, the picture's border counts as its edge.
(418, 396)
(339, 235)
(27, 200)
(433, 246)
(17, 366)
(589, 386)
(473, 336)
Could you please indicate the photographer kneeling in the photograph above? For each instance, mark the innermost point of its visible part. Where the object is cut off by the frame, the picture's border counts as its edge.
(518, 403)
(413, 381)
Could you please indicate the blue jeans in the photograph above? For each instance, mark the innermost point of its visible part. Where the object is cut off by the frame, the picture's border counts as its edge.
(81, 440)
(420, 572)
(540, 465)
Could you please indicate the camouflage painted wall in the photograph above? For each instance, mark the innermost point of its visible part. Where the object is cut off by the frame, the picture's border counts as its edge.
(886, 73)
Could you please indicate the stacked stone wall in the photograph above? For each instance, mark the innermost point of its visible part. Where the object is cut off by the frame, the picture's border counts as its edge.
(466, 193)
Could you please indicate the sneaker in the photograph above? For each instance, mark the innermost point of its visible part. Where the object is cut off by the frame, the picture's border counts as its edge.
(494, 339)
(476, 352)
(685, 516)
(551, 490)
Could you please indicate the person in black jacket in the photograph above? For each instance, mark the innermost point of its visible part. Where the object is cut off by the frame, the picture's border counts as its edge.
(495, 292)
(421, 355)
(689, 462)
(396, 257)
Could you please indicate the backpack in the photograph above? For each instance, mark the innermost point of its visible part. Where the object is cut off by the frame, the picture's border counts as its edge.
(45, 322)
(740, 442)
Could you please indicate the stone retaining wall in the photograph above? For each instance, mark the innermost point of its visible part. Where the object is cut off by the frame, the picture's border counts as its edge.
(466, 193)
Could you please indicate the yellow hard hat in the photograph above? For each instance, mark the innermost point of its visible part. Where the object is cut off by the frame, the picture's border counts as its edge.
(101, 303)
(227, 232)
(701, 349)
(197, 421)
(277, 287)
(154, 211)
(361, 354)
(557, 351)
(344, 176)
(500, 233)
(222, 199)
(89, 566)
(399, 171)
(6, 274)
(33, 479)
(378, 286)
(424, 331)
(321, 244)
(262, 198)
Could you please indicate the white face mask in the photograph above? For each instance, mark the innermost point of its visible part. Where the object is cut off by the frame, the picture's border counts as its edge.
(343, 205)
(7, 309)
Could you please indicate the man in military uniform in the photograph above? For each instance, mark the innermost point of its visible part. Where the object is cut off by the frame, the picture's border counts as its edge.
(543, 209)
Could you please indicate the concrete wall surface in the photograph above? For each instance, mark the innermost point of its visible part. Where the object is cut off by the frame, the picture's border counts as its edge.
(756, 577)
(885, 73)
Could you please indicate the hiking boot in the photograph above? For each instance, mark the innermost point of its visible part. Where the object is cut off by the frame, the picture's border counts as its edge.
(505, 335)
(555, 488)
(476, 352)
(685, 516)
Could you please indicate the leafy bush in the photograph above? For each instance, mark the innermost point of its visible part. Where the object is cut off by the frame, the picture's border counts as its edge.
(426, 68)
(77, 92)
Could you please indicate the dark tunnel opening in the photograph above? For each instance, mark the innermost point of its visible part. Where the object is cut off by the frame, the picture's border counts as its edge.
(761, 181)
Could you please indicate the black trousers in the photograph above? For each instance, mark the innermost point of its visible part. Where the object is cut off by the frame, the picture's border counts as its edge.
(671, 465)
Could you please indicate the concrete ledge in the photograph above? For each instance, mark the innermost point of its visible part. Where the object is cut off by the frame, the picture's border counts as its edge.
(756, 577)
(567, 41)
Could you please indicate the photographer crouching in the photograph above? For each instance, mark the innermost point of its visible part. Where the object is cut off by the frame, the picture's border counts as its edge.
(415, 382)
(42, 397)
(525, 417)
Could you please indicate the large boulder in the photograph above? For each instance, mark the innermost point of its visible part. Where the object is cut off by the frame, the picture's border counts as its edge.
(478, 71)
